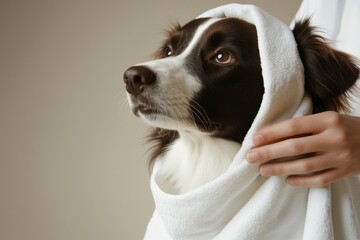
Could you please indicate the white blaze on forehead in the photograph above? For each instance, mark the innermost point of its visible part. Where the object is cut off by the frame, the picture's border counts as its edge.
(198, 33)
(195, 39)
(173, 68)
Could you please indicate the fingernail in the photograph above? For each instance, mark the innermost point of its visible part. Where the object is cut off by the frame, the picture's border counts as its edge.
(265, 171)
(258, 139)
(290, 182)
(253, 157)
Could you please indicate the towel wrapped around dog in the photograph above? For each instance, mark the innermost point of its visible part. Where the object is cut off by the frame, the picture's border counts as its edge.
(257, 207)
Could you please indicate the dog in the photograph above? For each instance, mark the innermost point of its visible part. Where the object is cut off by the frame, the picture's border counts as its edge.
(204, 87)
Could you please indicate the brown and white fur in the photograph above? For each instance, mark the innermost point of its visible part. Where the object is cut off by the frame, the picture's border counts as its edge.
(204, 88)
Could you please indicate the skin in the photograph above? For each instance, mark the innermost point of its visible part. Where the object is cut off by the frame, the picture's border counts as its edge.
(329, 140)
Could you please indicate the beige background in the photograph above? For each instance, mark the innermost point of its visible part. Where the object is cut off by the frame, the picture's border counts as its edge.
(72, 162)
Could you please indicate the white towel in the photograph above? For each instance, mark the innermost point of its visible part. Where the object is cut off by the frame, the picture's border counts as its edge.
(261, 208)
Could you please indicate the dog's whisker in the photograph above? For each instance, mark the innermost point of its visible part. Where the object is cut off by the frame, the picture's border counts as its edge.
(202, 112)
(198, 110)
(189, 116)
(123, 103)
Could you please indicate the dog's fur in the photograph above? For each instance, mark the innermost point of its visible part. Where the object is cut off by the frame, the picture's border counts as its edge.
(204, 89)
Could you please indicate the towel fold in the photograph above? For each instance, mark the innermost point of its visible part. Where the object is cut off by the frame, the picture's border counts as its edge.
(241, 204)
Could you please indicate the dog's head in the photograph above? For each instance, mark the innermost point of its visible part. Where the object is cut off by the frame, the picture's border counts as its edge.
(207, 77)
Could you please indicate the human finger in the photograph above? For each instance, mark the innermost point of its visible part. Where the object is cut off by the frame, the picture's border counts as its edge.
(301, 166)
(287, 148)
(316, 180)
(289, 128)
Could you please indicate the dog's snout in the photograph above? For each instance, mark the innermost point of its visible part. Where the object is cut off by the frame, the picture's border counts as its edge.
(137, 78)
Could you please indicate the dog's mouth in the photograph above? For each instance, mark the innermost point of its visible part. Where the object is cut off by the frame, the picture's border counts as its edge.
(143, 105)
(144, 109)
(161, 115)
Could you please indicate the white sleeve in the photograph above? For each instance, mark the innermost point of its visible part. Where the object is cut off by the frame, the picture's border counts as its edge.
(324, 14)
(348, 40)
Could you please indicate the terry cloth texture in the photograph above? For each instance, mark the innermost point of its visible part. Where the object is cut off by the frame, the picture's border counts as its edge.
(260, 208)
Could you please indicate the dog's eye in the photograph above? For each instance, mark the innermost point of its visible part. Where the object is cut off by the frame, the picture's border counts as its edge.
(167, 52)
(223, 57)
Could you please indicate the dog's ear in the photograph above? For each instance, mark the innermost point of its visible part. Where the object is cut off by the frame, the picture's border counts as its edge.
(328, 73)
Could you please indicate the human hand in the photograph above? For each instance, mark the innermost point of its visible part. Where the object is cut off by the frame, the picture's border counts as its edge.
(329, 140)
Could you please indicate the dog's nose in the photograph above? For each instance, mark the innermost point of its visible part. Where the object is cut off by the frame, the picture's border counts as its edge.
(137, 78)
